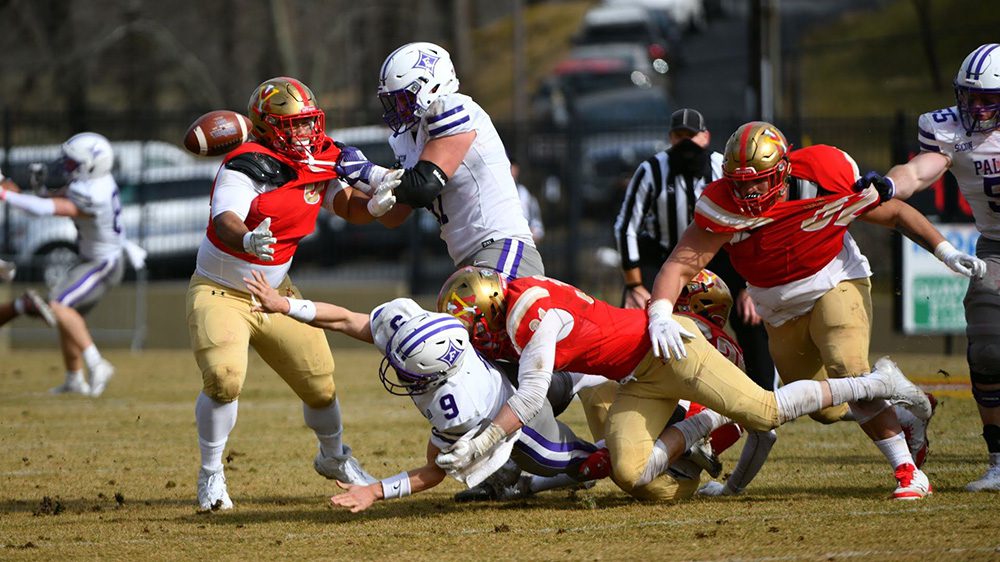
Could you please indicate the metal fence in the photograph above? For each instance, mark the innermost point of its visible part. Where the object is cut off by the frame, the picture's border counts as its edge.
(579, 175)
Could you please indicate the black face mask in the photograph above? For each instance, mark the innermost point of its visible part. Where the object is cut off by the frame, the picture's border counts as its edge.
(686, 158)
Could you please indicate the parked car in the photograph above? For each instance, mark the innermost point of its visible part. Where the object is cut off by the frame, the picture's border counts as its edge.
(631, 24)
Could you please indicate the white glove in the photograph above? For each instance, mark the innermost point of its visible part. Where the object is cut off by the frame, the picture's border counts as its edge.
(382, 196)
(665, 333)
(713, 488)
(465, 450)
(960, 262)
(258, 241)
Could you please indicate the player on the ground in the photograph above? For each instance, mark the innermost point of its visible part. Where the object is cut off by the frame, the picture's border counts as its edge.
(806, 276)
(965, 138)
(265, 199)
(550, 325)
(428, 357)
(91, 200)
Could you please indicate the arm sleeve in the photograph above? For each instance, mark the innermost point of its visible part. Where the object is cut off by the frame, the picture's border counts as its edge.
(535, 368)
(634, 208)
(234, 191)
(33, 204)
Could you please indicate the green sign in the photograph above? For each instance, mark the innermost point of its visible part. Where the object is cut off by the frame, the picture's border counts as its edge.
(937, 303)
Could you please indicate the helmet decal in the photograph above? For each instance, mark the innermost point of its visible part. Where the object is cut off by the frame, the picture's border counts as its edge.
(426, 61)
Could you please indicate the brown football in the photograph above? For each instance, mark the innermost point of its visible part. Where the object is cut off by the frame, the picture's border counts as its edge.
(217, 132)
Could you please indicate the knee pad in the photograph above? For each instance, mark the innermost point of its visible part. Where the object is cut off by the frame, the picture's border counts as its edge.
(984, 360)
(832, 414)
(865, 410)
(223, 383)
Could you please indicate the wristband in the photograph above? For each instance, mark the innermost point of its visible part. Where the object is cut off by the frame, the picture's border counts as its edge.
(660, 307)
(488, 438)
(944, 250)
(301, 309)
(397, 486)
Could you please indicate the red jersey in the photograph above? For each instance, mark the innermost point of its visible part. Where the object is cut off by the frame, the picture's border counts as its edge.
(293, 207)
(604, 339)
(793, 239)
(719, 339)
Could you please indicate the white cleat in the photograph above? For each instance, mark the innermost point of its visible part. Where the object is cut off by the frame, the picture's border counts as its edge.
(7, 271)
(345, 469)
(73, 385)
(35, 305)
(212, 492)
(915, 431)
(912, 483)
(901, 390)
(990, 482)
(100, 376)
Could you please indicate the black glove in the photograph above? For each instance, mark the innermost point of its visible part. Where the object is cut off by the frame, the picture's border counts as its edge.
(882, 184)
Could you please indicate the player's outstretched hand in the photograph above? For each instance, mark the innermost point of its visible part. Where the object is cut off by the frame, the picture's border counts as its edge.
(665, 333)
(356, 498)
(960, 262)
(267, 296)
(382, 197)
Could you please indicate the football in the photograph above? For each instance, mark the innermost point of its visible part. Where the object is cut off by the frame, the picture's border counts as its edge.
(217, 132)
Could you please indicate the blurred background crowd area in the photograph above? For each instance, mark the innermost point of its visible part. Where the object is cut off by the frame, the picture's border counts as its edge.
(580, 90)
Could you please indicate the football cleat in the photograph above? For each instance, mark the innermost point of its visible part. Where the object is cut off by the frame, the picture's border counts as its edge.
(100, 376)
(35, 305)
(901, 390)
(344, 468)
(912, 483)
(990, 482)
(520, 489)
(212, 492)
(75, 384)
(597, 465)
(915, 431)
(701, 454)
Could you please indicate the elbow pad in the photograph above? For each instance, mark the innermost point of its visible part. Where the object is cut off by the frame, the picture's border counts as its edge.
(420, 184)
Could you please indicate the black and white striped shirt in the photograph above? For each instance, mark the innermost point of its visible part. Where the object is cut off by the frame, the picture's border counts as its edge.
(659, 205)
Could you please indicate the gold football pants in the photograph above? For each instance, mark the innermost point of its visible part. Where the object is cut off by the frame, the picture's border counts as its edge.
(222, 327)
(644, 405)
(830, 341)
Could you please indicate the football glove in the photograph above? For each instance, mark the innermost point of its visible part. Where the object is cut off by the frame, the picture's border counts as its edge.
(665, 333)
(382, 196)
(258, 241)
(883, 185)
(960, 262)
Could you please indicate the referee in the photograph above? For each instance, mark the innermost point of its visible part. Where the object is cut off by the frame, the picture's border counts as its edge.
(658, 206)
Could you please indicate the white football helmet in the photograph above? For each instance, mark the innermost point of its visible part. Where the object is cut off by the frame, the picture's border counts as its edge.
(87, 156)
(424, 351)
(386, 318)
(977, 89)
(412, 78)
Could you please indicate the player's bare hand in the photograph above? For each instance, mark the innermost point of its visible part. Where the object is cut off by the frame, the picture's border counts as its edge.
(636, 297)
(268, 297)
(356, 498)
(746, 309)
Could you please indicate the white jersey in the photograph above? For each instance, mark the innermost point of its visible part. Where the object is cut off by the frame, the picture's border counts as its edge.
(975, 162)
(99, 227)
(479, 204)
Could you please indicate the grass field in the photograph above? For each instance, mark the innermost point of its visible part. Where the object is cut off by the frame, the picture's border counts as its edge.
(114, 478)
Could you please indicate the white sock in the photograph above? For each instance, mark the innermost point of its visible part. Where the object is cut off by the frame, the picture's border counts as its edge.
(699, 426)
(541, 483)
(92, 357)
(75, 377)
(895, 450)
(328, 427)
(215, 421)
(798, 398)
(851, 389)
(657, 464)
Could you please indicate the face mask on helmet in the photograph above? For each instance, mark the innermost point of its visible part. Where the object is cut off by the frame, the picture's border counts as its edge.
(706, 295)
(977, 90)
(86, 156)
(756, 160)
(477, 297)
(411, 79)
(423, 353)
(285, 117)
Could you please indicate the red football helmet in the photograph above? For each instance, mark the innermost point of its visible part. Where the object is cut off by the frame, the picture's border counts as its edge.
(757, 151)
(706, 295)
(286, 118)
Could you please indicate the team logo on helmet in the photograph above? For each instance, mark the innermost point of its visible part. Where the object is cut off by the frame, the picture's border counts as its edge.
(451, 354)
(426, 61)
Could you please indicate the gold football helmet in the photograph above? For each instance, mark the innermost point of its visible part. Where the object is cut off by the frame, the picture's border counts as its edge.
(757, 151)
(477, 296)
(706, 295)
(285, 116)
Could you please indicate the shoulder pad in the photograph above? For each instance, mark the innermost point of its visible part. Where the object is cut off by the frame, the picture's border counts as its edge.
(261, 167)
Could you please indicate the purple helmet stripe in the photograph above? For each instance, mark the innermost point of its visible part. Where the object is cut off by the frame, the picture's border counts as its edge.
(439, 130)
(930, 147)
(446, 114)
(385, 64)
(982, 58)
(427, 336)
(85, 284)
